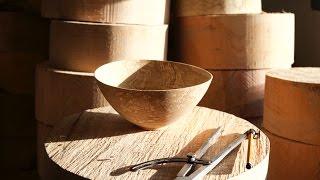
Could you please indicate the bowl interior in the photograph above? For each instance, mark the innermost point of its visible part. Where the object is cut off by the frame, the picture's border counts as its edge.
(151, 75)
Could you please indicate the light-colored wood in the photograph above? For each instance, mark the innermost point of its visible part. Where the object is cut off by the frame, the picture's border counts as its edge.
(292, 160)
(292, 104)
(209, 7)
(152, 94)
(86, 145)
(238, 92)
(17, 33)
(307, 29)
(109, 11)
(243, 41)
(86, 46)
(17, 116)
(61, 93)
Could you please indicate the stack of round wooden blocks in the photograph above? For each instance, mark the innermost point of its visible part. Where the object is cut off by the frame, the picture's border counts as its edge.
(23, 44)
(84, 36)
(292, 122)
(238, 44)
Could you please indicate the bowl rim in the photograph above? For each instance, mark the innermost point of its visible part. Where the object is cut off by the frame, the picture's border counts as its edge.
(154, 90)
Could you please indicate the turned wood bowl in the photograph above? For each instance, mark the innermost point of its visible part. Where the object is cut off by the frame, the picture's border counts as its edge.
(152, 94)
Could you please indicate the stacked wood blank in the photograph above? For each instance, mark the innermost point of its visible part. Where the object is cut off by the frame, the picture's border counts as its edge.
(237, 42)
(84, 144)
(293, 160)
(238, 92)
(307, 27)
(84, 47)
(61, 93)
(246, 41)
(291, 112)
(84, 35)
(144, 12)
(208, 7)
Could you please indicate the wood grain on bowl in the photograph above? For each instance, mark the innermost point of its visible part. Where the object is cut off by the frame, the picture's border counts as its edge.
(152, 94)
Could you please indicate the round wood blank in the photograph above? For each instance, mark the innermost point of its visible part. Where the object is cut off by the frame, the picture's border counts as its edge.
(109, 11)
(84, 47)
(61, 93)
(100, 144)
(292, 104)
(293, 160)
(242, 41)
(208, 7)
(238, 92)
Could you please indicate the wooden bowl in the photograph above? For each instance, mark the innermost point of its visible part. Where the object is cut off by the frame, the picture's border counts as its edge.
(152, 94)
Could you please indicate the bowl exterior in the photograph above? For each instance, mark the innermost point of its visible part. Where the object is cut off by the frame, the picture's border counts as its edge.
(154, 109)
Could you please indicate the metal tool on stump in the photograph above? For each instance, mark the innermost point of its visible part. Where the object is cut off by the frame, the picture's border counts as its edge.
(194, 159)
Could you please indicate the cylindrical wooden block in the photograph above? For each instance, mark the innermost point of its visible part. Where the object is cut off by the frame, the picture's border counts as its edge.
(307, 39)
(80, 46)
(84, 144)
(209, 7)
(20, 32)
(61, 93)
(292, 160)
(239, 92)
(243, 41)
(292, 104)
(109, 11)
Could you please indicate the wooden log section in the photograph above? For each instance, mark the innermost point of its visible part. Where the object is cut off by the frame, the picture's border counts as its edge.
(61, 93)
(84, 47)
(243, 41)
(87, 146)
(293, 160)
(21, 32)
(109, 11)
(238, 92)
(292, 104)
(209, 7)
